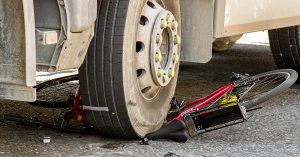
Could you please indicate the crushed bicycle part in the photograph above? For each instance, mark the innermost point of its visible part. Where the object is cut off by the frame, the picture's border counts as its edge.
(56, 93)
(215, 118)
(222, 108)
(78, 110)
(35, 122)
(199, 122)
(72, 101)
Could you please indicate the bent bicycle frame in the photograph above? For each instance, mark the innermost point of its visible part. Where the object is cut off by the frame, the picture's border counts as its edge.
(204, 101)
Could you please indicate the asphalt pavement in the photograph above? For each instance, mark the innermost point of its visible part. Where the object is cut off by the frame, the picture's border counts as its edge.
(271, 131)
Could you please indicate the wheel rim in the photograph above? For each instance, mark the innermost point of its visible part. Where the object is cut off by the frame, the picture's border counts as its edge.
(157, 49)
(249, 88)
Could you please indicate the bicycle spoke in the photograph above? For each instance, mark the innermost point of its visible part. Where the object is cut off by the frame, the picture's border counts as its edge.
(273, 83)
(270, 81)
(247, 90)
(258, 86)
(261, 89)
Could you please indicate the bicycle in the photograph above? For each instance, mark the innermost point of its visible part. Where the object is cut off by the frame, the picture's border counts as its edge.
(56, 93)
(226, 106)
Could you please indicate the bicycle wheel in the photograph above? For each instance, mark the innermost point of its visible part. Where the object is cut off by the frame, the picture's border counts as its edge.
(56, 93)
(254, 90)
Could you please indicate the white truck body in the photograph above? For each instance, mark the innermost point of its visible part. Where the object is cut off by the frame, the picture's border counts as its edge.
(242, 16)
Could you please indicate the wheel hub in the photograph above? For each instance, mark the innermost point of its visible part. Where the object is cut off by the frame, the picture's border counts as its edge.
(164, 51)
(157, 48)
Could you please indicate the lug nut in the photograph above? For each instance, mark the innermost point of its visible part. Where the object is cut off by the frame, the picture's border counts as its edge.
(159, 39)
(176, 58)
(177, 39)
(169, 18)
(163, 23)
(171, 73)
(158, 56)
(174, 25)
(160, 73)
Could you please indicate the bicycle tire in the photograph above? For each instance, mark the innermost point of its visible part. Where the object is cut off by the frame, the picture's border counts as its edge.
(49, 84)
(291, 78)
(56, 81)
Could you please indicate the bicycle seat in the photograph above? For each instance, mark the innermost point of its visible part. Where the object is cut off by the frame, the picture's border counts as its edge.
(174, 130)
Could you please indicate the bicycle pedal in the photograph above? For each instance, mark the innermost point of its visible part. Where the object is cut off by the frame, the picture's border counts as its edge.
(213, 119)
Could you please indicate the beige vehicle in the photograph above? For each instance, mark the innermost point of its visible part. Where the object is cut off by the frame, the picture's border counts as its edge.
(128, 51)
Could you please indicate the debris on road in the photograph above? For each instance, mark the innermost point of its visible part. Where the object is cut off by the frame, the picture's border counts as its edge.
(144, 141)
(47, 140)
(170, 154)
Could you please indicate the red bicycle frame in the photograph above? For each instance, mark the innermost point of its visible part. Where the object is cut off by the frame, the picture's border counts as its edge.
(203, 101)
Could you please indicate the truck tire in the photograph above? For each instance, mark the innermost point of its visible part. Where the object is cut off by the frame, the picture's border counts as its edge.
(285, 47)
(131, 67)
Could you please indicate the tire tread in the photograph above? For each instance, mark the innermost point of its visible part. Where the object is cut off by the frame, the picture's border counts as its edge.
(285, 47)
(100, 77)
